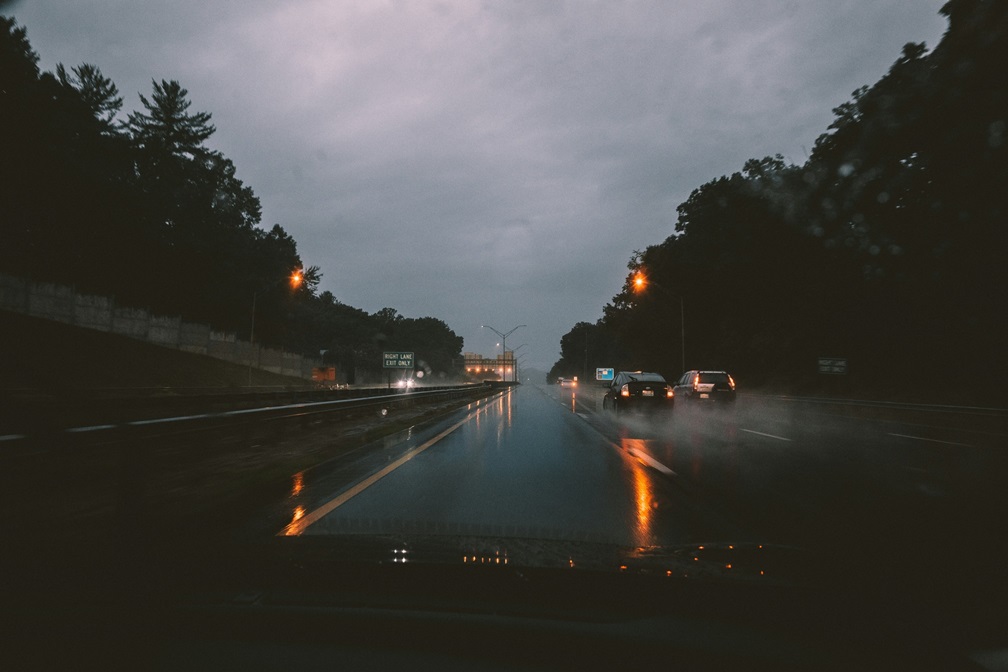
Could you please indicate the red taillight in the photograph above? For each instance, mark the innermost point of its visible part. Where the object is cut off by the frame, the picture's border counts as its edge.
(625, 391)
(731, 381)
(696, 382)
(669, 392)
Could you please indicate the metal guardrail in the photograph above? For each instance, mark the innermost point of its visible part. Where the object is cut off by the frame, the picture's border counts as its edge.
(378, 398)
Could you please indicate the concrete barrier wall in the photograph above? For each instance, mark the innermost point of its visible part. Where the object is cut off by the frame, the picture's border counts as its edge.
(223, 345)
(93, 312)
(131, 322)
(194, 338)
(63, 304)
(51, 302)
(164, 330)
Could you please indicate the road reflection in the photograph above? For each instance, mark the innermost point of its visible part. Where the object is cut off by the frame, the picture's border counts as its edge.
(509, 407)
(643, 490)
(503, 410)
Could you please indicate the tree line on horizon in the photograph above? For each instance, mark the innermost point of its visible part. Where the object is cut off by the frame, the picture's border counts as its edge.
(142, 209)
(886, 247)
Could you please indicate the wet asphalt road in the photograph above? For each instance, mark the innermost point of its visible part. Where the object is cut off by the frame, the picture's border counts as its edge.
(908, 512)
(547, 462)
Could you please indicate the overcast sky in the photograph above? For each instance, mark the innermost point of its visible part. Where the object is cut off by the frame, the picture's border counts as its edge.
(487, 162)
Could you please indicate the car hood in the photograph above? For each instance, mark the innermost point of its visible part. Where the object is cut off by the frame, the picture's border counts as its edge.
(720, 560)
(467, 587)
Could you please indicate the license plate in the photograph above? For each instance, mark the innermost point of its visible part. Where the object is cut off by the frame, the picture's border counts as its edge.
(704, 395)
(647, 393)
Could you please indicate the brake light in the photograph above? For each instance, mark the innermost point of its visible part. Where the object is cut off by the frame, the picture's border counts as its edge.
(696, 382)
(731, 381)
(624, 391)
(669, 392)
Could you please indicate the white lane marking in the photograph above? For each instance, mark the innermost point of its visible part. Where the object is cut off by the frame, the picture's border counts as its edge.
(924, 438)
(157, 421)
(93, 428)
(12, 437)
(297, 527)
(647, 459)
(771, 436)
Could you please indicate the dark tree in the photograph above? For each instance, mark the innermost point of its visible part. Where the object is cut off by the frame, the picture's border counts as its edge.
(167, 129)
(885, 247)
(98, 92)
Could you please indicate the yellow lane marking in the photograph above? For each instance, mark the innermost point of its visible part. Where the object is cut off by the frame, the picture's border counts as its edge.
(297, 527)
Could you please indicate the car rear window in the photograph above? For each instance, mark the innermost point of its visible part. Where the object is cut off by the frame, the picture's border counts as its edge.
(713, 377)
(647, 377)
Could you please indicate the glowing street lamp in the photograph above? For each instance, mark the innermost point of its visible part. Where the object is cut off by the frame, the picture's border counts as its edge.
(295, 280)
(641, 283)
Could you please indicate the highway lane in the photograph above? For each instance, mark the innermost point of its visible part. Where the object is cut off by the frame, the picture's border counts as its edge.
(924, 492)
(547, 463)
(520, 464)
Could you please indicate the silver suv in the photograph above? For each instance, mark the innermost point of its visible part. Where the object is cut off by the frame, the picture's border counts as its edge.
(705, 386)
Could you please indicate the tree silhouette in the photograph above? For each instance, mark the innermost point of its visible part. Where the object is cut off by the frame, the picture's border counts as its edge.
(98, 92)
(167, 129)
(885, 247)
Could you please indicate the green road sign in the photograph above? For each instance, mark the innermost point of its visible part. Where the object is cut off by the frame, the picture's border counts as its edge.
(397, 360)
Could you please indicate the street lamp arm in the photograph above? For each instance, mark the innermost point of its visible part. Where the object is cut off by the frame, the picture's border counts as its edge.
(503, 335)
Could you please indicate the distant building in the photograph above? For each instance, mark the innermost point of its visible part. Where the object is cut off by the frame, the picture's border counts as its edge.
(502, 365)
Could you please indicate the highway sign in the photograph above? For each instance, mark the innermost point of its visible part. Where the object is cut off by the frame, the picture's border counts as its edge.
(604, 374)
(397, 360)
(834, 365)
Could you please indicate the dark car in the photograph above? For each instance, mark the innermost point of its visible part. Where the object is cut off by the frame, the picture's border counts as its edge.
(705, 386)
(638, 391)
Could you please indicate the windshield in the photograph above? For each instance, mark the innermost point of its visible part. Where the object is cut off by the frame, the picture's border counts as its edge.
(370, 278)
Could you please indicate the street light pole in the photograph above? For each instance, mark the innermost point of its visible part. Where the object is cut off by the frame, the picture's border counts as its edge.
(515, 376)
(517, 362)
(295, 279)
(503, 342)
(640, 282)
(252, 337)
